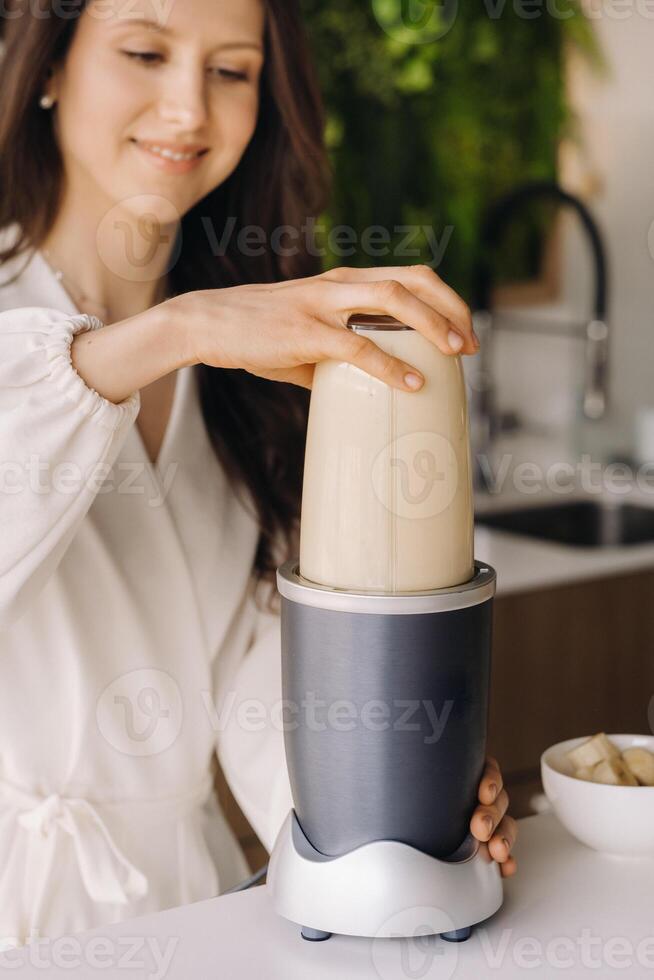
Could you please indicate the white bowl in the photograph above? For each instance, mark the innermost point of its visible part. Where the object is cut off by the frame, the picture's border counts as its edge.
(613, 819)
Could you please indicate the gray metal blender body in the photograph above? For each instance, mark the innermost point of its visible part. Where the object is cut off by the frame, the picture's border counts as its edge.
(389, 696)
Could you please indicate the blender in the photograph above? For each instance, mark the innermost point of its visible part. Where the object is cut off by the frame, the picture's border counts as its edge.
(386, 637)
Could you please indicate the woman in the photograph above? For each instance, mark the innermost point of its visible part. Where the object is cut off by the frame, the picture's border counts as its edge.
(149, 488)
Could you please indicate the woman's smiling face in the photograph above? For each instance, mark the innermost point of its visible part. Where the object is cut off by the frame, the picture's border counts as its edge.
(143, 80)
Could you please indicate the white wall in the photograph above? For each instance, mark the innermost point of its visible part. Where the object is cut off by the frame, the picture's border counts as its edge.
(616, 117)
(610, 163)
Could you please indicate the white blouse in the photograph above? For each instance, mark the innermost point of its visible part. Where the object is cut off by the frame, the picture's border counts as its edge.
(131, 648)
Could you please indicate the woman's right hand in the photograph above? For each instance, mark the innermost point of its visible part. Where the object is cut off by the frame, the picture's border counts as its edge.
(280, 331)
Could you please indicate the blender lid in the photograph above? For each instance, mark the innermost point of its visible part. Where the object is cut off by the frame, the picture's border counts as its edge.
(296, 588)
(374, 321)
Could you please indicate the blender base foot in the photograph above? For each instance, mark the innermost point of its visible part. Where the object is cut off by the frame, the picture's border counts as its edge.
(314, 935)
(457, 935)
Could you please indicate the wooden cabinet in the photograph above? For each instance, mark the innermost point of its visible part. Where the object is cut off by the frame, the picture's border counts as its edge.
(569, 661)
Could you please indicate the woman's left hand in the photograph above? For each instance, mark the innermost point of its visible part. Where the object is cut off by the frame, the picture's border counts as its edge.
(490, 821)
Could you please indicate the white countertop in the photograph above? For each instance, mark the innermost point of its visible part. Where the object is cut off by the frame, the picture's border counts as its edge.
(569, 911)
(525, 564)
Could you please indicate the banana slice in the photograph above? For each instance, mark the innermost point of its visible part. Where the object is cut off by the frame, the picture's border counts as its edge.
(640, 764)
(613, 772)
(585, 772)
(596, 749)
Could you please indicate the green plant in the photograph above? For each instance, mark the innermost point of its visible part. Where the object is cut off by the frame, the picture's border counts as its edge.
(429, 134)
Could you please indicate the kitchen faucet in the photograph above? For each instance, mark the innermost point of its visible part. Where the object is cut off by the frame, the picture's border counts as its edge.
(594, 331)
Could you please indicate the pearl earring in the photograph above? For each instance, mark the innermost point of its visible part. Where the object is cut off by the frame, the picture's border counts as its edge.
(46, 102)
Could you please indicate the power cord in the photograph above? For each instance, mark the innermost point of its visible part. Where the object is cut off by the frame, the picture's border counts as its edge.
(249, 882)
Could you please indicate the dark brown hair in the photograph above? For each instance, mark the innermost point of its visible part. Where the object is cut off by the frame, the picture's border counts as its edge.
(257, 427)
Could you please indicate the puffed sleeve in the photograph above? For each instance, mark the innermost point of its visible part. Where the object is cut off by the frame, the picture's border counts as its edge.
(55, 433)
(250, 737)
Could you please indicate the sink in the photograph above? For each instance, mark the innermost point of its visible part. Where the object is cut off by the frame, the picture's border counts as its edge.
(581, 523)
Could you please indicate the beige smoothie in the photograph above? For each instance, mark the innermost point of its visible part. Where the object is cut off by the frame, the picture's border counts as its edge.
(387, 498)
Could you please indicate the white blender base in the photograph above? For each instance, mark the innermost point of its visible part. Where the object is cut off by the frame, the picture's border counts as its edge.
(382, 889)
